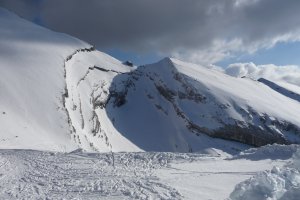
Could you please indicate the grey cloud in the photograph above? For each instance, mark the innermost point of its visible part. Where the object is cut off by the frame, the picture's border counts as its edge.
(200, 31)
(25, 8)
(134, 24)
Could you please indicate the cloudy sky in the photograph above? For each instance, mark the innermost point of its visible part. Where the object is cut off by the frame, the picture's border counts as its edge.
(219, 32)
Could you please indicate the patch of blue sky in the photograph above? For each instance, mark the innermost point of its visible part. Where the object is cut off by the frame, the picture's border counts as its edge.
(284, 53)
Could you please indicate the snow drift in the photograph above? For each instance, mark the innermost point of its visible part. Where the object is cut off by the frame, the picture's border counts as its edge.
(277, 184)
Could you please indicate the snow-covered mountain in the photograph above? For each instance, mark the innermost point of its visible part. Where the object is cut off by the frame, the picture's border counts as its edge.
(176, 101)
(59, 93)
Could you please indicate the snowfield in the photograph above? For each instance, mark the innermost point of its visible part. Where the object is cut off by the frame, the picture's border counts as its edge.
(29, 174)
(48, 175)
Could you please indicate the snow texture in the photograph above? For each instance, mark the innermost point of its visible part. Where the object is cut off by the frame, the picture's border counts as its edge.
(48, 175)
(29, 174)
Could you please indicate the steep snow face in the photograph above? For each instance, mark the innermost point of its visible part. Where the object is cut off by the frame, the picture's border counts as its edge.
(89, 75)
(171, 104)
(32, 85)
(53, 90)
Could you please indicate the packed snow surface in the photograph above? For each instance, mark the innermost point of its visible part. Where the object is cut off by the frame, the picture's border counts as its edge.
(28, 174)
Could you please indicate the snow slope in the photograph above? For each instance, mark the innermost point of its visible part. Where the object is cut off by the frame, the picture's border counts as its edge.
(280, 89)
(33, 85)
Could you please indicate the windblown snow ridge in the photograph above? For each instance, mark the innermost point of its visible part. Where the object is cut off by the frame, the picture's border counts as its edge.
(280, 89)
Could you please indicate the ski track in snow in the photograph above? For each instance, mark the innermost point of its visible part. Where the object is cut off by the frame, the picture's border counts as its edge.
(28, 174)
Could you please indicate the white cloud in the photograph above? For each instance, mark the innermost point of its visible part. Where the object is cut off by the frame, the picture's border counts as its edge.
(219, 50)
(282, 74)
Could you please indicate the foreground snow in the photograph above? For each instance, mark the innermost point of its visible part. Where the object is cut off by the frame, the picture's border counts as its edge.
(28, 174)
(211, 178)
(280, 183)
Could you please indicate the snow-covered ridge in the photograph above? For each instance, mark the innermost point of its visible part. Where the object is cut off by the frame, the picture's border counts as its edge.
(280, 89)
